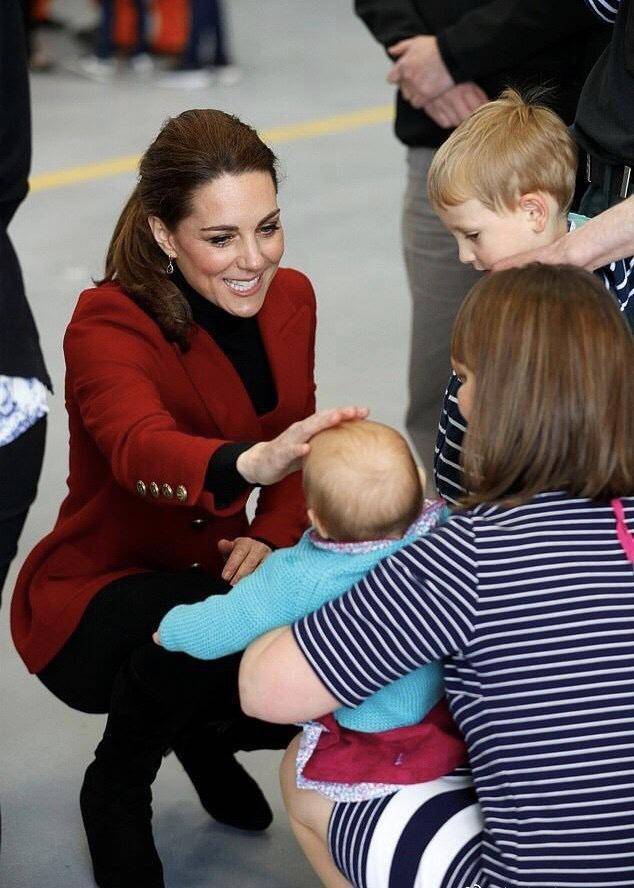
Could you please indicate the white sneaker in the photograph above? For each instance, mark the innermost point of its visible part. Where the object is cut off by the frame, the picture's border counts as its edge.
(93, 68)
(228, 75)
(197, 79)
(142, 64)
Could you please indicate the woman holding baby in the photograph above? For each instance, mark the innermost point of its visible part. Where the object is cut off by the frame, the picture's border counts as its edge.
(194, 351)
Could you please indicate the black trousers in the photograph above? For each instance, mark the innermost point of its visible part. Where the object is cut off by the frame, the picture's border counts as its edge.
(20, 466)
(115, 637)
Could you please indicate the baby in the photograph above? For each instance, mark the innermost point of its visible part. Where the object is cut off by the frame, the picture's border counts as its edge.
(364, 497)
(502, 184)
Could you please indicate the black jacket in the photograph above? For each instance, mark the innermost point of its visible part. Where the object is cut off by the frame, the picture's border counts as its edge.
(605, 119)
(20, 353)
(521, 43)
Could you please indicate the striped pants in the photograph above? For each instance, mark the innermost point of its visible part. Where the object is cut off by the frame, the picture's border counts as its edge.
(423, 836)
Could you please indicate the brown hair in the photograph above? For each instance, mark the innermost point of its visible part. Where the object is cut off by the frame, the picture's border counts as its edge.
(191, 150)
(553, 409)
(362, 481)
(505, 149)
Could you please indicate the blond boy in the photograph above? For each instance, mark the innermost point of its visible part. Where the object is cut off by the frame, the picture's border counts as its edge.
(502, 184)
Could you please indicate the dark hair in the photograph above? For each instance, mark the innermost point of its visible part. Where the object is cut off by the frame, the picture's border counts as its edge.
(191, 150)
(554, 397)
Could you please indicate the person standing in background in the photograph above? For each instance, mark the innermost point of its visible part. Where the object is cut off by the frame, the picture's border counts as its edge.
(604, 125)
(450, 57)
(23, 375)
(193, 71)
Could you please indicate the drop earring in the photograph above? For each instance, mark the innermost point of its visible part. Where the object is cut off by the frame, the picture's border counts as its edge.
(170, 265)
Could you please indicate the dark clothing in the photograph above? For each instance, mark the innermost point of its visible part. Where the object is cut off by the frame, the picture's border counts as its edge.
(241, 341)
(604, 126)
(118, 622)
(521, 43)
(20, 465)
(114, 638)
(206, 18)
(106, 46)
(20, 353)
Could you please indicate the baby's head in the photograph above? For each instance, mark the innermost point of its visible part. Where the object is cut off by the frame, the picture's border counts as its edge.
(503, 181)
(361, 483)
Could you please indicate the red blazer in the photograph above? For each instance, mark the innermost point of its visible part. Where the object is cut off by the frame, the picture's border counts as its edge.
(144, 422)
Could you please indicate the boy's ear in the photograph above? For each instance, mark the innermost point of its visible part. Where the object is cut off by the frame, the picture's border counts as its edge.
(537, 210)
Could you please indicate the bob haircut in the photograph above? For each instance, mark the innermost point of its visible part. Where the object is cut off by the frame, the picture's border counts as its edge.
(505, 149)
(190, 151)
(553, 409)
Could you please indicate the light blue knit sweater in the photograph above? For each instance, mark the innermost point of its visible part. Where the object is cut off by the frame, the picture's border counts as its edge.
(290, 584)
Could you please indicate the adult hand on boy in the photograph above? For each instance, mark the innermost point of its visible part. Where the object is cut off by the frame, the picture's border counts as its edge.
(455, 105)
(419, 71)
(242, 556)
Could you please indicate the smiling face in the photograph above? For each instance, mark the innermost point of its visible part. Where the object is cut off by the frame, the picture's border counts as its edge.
(486, 236)
(230, 245)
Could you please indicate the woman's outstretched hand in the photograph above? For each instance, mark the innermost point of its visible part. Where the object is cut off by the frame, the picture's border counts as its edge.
(269, 461)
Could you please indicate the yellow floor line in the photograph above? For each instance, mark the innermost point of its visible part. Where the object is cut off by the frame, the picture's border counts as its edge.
(275, 135)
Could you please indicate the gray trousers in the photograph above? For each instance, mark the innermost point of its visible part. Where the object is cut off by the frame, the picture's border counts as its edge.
(438, 283)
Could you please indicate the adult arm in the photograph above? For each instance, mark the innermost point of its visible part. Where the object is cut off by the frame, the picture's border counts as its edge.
(603, 239)
(415, 607)
(115, 365)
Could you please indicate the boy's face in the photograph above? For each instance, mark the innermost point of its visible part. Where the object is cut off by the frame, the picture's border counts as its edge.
(485, 236)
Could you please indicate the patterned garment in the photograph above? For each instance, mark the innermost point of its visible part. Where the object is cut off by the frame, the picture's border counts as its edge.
(606, 9)
(423, 836)
(532, 609)
(336, 792)
(22, 403)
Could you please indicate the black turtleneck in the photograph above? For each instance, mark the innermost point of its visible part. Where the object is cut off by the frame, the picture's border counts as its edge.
(241, 341)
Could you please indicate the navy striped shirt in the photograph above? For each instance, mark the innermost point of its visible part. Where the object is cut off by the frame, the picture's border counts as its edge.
(605, 9)
(534, 608)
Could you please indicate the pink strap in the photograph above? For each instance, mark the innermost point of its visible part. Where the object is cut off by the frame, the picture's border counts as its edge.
(626, 539)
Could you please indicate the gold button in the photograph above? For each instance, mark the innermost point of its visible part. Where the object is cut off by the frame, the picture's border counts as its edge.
(154, 488)
(181, 493)
(141, 489)
(167, 491)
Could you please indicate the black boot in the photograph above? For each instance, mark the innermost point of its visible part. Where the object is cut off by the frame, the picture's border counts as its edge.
(226, 791)
(116, 798)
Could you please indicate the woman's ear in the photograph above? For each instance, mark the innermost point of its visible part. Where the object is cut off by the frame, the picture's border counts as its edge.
(162, 236)
(537, 209)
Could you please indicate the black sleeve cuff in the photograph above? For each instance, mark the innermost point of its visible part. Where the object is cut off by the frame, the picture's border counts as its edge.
(222, 478)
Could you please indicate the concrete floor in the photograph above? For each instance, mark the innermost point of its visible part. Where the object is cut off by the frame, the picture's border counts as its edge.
(341, 202)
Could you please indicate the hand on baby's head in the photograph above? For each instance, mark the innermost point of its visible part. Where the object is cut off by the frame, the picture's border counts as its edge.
(361, 482)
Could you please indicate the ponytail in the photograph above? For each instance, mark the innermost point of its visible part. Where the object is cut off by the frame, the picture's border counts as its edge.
(135, 261)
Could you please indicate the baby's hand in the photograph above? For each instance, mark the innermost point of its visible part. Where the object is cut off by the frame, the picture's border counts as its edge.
(156, 639)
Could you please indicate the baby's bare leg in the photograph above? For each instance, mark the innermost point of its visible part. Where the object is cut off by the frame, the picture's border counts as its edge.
(309, 813)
